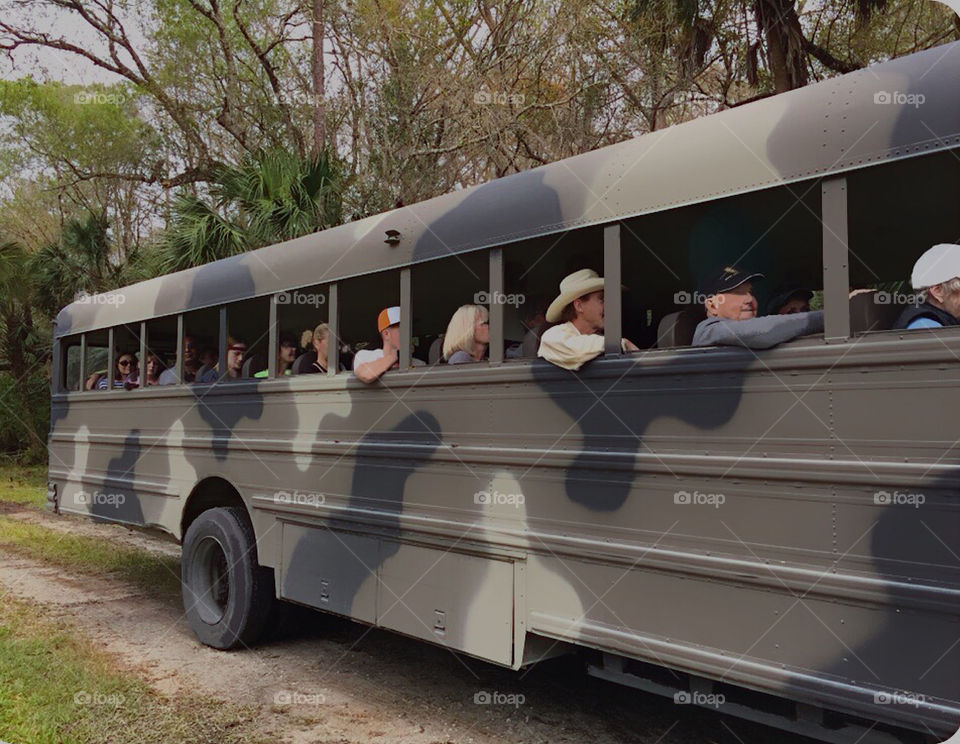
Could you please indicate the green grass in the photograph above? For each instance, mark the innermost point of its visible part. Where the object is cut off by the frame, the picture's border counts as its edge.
(21, 484)
(160, 574)
(57, 688)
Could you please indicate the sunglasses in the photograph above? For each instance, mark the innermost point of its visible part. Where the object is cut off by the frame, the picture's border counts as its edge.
(125, 362)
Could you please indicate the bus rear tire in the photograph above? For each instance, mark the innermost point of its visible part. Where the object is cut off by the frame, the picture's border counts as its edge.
(227, 595)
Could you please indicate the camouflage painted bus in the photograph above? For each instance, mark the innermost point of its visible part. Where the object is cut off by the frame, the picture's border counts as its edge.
(778, 526)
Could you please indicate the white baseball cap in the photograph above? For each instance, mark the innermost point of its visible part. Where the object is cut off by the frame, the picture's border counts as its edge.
(937, 265)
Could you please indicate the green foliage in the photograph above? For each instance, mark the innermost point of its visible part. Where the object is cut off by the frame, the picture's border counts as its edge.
(269, 197)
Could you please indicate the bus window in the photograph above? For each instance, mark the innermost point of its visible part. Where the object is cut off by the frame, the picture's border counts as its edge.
(161, 349)
(533, 270)
(70, 376)
(201, 347)
(438, 289)
(669, 258)
(362, 299)
(302, 318)
(248, 338)
(97, 358)
(892, 222)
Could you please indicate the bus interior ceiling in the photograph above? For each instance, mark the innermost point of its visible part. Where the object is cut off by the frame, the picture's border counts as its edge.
(249, 322)
(361, 299)
(897, 211)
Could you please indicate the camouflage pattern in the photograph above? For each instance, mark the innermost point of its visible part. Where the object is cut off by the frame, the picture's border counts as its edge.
(479, 507)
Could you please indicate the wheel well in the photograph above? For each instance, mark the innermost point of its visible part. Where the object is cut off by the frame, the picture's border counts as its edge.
(209, 494)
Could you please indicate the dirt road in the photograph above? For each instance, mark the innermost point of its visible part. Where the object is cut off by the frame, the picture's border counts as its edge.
(321, 679)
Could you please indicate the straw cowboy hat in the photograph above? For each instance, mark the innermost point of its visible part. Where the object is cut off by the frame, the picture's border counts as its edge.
(577, 284)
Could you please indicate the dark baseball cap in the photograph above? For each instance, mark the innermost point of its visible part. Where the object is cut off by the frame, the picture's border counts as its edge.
(782, 298)
(727, 278)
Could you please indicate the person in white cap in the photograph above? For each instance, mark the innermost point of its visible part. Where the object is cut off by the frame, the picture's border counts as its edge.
(369, 365)
(579, 310)
(937, 275)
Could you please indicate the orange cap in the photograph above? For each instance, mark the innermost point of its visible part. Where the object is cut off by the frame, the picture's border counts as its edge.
(388, 316)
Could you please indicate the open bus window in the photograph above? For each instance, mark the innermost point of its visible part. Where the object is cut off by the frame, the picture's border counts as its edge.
(361, 301)
(97, 358)
(668, 258)
(439, 288)
(533, 270)
(201, 348)
(897, 212)
(248, 339)
(161, 348)
(302, 320)
(70, 375)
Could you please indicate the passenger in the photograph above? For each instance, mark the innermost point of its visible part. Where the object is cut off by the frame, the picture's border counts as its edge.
(790, 302)
(936, 274)
(169, 375)
(126, 374)
(285, 356)
(369, 365)
(153, 369)
(236, 352)
(467, 336)
(534, 321)
(732, 315)
(319, 339)
(190, 369)
(579, 309)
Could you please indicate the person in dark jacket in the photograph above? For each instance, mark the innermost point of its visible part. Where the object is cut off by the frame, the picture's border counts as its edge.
(937, 275)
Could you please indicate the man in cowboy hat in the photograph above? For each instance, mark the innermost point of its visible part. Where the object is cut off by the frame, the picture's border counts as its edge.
(732, 315)
(579, 310)
(935, 274)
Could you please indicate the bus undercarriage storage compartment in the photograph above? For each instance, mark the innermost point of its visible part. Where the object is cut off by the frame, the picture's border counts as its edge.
(461, 601)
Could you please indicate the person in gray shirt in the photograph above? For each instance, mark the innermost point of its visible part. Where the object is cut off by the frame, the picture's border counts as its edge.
(732, 315)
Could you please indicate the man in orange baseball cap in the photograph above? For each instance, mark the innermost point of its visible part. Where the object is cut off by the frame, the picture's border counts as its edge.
(369, 365)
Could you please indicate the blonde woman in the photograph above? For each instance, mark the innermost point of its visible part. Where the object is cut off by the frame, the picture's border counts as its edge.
(319, 339)
(468, 335)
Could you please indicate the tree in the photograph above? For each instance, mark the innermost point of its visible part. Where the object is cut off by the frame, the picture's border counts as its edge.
(269, 197)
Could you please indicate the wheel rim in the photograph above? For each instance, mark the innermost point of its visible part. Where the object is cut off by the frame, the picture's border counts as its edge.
(211, 584)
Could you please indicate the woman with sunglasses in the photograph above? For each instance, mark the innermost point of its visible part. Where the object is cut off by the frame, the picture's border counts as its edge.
(127, 373)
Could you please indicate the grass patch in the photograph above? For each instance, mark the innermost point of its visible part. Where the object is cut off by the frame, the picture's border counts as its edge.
(160, 574)
(57, 688)
(21, 484)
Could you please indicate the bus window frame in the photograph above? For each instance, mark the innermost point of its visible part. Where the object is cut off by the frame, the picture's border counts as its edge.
(835, 258)
(495, 350)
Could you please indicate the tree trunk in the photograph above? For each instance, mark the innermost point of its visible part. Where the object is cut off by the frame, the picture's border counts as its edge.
(778, 23)
(319, 93)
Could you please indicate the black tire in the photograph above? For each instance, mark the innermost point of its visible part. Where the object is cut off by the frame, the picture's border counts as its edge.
(227, 594)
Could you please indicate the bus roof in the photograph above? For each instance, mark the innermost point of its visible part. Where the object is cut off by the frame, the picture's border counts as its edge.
(894, 110)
